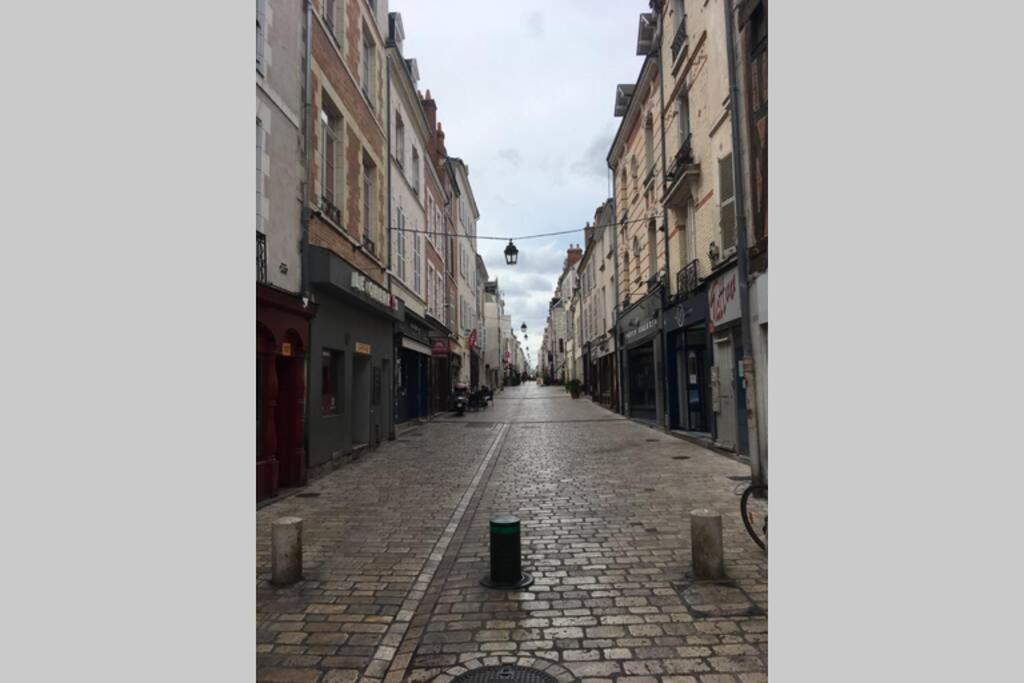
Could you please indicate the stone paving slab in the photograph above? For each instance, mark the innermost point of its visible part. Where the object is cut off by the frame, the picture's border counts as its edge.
(397, 542)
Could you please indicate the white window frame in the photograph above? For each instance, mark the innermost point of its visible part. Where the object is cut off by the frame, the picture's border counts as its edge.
(367, 63)
(369, 203)
(731, 201)
(401, 244)
(261, 36)
(259, 174)
(417, 254)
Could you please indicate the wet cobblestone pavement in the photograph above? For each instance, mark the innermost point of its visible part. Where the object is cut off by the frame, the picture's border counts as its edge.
(396, 542)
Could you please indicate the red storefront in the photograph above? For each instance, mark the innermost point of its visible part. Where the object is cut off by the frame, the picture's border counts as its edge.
(282, 340)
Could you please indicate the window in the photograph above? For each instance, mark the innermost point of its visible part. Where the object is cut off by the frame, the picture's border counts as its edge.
(399, 140)
(633, 167)
(652, 247)
(369, 192)
(261, 34)
(331, 160)
(334, 16)
(649, 143)
(259, 174)
(261, 257)
(691, 232)
(400, 237)
(727, 215)
(636, 253)
(368, 70)
(450, 255)
(331, 378)
(415, 177)
(684, 118)
(417, 251)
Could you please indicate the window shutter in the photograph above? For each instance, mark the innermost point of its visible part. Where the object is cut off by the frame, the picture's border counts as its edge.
(727, 215)
(261, 33)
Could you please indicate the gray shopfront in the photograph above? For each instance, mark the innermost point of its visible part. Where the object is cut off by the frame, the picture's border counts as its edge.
(351, 361)
(641, 360)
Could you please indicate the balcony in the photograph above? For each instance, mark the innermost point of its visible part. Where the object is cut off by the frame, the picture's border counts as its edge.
(261, 257)
(687, 280)
(679, 40)
(328, 209)
(683, 172)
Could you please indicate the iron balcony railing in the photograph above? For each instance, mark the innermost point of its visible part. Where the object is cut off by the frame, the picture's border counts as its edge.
(261, 257)
(330, 210)
(679, 39)
(687, 280)
(683, 157)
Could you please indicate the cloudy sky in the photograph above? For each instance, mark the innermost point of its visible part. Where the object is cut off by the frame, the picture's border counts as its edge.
(525, 93)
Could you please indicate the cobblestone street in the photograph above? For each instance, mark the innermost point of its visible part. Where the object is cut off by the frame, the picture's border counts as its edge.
(395, 544)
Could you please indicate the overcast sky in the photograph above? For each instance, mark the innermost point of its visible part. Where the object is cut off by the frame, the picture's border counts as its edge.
(525, 93)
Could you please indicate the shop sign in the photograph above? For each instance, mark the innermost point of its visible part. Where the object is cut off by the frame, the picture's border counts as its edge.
(372, 290)
(724, 300)
(472, 339)
(439, 348)
(362, 348)
(640, 321)
(286, 349)
(507, 356)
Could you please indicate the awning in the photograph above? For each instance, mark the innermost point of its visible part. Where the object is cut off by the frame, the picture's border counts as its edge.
(414, 345)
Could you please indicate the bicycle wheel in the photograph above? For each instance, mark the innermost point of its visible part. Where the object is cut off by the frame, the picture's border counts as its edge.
(754, 510)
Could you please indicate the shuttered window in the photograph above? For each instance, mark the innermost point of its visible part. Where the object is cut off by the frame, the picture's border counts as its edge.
(261, 33)
(726, 190)
(417, 252)
(401, 244)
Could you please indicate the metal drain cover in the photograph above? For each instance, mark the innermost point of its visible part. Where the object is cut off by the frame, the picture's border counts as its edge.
(680, 457)
(309, 494)
(505, 672)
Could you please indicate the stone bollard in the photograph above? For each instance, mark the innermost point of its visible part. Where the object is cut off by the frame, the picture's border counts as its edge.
(286, 542)
(706, 543)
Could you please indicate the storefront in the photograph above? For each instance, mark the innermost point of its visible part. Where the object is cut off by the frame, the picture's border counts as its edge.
(688, 364)
(352, 360)
(413, 377)
(639, 333)
(282, 341)
(440, 368)
(728, 395)
(602, 371)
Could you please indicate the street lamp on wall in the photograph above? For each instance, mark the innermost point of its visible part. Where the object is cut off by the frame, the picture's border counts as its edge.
(511, 254)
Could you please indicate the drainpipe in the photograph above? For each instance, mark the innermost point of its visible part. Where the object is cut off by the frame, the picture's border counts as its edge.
(758, 469)
(307, 97)
(667, 287)
(396, 352)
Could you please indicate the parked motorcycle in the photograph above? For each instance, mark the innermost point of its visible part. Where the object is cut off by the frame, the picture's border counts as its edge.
(461, 398)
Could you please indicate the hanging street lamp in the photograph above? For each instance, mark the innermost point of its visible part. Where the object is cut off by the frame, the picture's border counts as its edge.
(511, 254)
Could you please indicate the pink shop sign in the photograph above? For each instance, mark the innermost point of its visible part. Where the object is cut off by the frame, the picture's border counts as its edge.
(724, 299)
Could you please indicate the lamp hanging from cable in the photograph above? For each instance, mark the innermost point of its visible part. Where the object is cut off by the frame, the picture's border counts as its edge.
(511, 254)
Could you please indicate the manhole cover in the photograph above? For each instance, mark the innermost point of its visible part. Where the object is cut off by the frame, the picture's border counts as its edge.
(309, 494)
(506, 672)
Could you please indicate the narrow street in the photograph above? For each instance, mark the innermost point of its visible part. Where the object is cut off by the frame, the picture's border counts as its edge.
(395, 544)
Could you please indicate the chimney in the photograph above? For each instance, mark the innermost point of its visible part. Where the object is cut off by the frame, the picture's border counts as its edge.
(573, 255)
(588, 234)
(430, 109)
(442, 151)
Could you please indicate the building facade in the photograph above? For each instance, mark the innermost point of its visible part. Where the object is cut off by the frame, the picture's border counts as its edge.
(283, 311)
(408, 133)
(352, 359)
(637, 165)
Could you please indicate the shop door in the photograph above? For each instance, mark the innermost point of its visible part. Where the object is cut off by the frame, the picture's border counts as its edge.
(360, 406)
(723, 377)
(642, 401)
